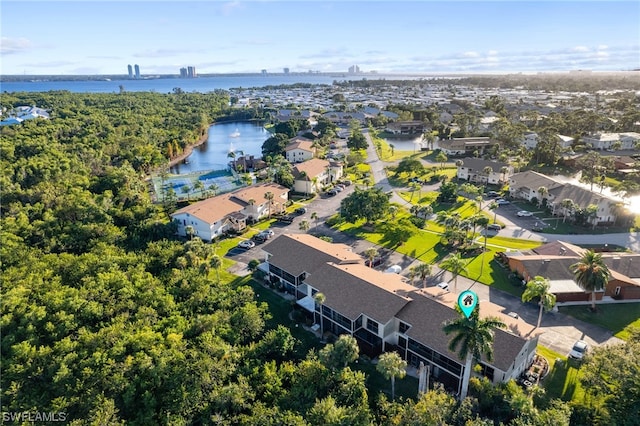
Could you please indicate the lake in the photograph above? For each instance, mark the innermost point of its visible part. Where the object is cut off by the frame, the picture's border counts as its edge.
(247, 137)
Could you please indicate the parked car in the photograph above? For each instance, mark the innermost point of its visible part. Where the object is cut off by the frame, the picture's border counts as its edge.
(502, 201)
(266, 234)
(301, 210)
(332, 192)
(579, 350)
(285, 219)
(346, 182)
(493, 194)
(338, 188)
(524, 213)
(393, 269)
(494, 227)
(246, 244)
(443, 285)
(260, 238)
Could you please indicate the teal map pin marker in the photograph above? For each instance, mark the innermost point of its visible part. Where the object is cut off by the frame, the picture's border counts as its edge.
(467, 302)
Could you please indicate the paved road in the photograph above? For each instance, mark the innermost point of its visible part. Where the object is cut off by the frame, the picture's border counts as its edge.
(559, 331)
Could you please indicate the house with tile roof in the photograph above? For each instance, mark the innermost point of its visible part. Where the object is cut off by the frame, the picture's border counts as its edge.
(232, 211)
(299, 149)
(553, 261)
(385, 313)
(472, 170)
(312, 175)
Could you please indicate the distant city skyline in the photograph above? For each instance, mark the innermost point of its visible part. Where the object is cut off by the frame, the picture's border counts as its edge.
(95, 37)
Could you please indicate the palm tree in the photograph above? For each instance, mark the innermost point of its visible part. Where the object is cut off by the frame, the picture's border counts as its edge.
(304, 225)
(423, 270)
(503, 172)
(441, 158)
(542, 193)
(392, 146)
(456, 265)
(269, 197)
(538, 287)
(474, 337)
(487, 172)
(390, 365)
(189, 231)
(214, 188)
(232, 155)
(371, 253)
(320, 299)
(567, 205)
(494, 208)
(215, 262)
(591, 274)
(314, 217)
(414, 186)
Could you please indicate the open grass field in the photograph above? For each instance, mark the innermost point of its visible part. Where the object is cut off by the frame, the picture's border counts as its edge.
(619, 318)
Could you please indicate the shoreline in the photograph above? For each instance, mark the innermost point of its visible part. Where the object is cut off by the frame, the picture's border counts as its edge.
(188, 150)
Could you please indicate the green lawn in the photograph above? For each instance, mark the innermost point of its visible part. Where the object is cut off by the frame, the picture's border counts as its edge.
(425, 246)
(619, 318)
(563, 379)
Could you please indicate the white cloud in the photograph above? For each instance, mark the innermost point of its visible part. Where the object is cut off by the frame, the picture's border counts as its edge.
(9, 46)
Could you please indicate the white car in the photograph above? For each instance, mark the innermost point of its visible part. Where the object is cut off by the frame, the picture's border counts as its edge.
(501, 201)
(393, 269)
(268, 233)
(246, 244)
(524, 213)
(443, 285)
(579, 350)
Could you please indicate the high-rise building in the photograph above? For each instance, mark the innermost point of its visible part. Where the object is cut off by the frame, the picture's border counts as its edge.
(130, 69)
(354, 69)
(183, 72)
(264, 72)
(286, 70)
(191, 72)
(137, 68)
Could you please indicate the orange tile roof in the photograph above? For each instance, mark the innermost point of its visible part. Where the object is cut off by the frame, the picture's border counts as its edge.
(299, 143)
(312, 168)
(257, 192)
(212, 209)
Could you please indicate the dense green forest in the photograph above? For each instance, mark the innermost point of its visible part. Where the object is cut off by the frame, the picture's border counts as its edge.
(109, 318)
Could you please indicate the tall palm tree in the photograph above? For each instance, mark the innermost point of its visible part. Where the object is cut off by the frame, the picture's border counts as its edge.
(474, 338)
(214, 188)
(567, 205)
(215, 262)
(456, 265)
(423, 270)
(371, 253)
(487, 172)
(269, 197)
(320, 298)
(542, 193)
(391, 366)
(538, 287)
(503, 172)
(494, 208)
(304, 225)
(591, 274)
(315, 218)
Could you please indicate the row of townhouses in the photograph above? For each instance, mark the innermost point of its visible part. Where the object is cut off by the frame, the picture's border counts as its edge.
(527, 186)
(553, 261)
(384, 313)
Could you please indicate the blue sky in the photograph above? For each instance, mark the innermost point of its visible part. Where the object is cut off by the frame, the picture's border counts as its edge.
(94, 37)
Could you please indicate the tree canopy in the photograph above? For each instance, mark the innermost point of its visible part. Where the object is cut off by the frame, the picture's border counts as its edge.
(369, 204)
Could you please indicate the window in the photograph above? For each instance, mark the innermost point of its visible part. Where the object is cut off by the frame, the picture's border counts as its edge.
(403, 327)
(617, 292)
(372, 325)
